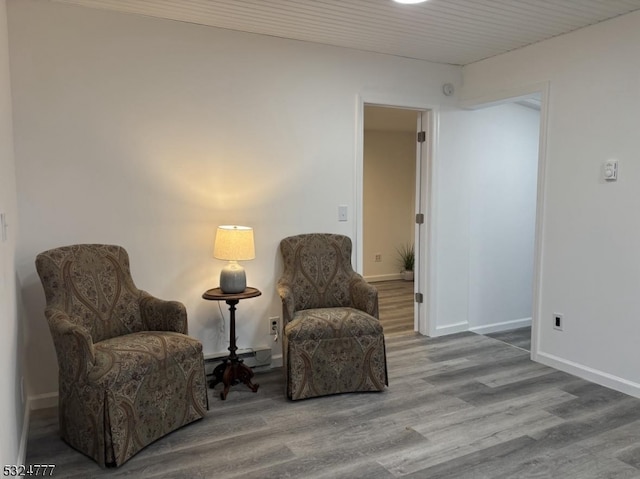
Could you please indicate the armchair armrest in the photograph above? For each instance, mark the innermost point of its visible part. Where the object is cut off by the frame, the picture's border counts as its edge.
(363, 295)
(161, 315)
(73, 343)
(288, 303)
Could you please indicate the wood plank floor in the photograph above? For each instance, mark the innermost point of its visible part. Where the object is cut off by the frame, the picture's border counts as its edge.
(395, 301)
(520, 338)
(462, 406)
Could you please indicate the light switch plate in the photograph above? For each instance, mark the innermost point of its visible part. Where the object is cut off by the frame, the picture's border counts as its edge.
(342, 213)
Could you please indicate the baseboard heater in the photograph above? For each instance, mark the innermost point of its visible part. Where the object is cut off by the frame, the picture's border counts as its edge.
(254, 358)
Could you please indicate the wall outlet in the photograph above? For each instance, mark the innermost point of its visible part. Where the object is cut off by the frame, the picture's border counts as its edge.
(378, 258)
(274, 325)
(558, 321)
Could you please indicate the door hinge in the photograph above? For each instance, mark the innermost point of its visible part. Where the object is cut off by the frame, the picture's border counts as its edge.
(419, 298)
(420, 218)
(422, 137)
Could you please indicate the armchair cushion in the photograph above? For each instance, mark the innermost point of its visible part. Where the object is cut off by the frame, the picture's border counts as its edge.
(331, 323)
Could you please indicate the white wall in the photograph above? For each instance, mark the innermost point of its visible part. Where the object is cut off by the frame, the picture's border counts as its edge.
(12, 408)
(150, 133)
(389, 200)
(487, 174)
(591, 231)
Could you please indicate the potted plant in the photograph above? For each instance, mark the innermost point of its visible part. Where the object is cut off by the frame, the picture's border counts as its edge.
(406, 260)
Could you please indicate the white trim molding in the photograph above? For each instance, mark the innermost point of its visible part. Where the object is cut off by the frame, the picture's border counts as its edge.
(276, 361)
(590, 374)
(22, 447)
(42, 401)
(503, 326)
(383, 277)
(508, 95)
(446, 329)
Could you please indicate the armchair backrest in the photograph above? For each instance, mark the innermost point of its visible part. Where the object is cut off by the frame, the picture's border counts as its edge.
(92, 284)
(317, 268)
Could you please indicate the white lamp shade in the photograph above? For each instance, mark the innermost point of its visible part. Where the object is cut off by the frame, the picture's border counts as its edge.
(234, 243)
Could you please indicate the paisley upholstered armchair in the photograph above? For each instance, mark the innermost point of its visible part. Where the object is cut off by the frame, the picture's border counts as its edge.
(332, 339)
(128, 373)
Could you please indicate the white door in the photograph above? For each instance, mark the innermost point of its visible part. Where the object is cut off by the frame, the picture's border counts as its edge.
(424, 141)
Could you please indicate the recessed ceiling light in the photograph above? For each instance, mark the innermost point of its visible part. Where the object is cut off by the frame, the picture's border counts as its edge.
(409, 2)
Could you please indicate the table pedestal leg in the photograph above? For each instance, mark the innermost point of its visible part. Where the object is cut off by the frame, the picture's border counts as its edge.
(232, 370)
(237, 372)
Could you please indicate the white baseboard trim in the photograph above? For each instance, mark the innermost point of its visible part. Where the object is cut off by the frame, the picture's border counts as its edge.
(503, 326)
(382, 277)
(451, 329)
(43, 401)
(590, 374)
(22, 447)
(276, 361)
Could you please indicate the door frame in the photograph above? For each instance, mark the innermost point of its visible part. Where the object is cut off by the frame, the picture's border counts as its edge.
(425, 201)
(509, 96)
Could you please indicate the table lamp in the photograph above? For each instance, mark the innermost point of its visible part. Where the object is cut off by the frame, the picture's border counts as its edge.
(233, 243)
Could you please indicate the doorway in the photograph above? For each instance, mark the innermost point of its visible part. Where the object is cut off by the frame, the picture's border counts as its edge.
(504, 234)
(389, 207)
(502, 226)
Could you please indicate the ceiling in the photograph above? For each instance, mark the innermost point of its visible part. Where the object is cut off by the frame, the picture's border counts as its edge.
(447, 31)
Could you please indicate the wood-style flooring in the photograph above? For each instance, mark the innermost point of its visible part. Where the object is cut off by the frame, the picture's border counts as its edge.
(396, 306)
(520, 338)
(464, 406)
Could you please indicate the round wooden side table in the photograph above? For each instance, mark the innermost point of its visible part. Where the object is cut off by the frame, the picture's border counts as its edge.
(232, 370)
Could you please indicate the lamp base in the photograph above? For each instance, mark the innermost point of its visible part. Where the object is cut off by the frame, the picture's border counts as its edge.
(233, 279)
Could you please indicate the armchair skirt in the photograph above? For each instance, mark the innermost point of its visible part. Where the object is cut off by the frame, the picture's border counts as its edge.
(334, 350)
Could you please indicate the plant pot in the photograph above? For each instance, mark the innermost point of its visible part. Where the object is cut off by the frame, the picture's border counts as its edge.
(407, 275)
